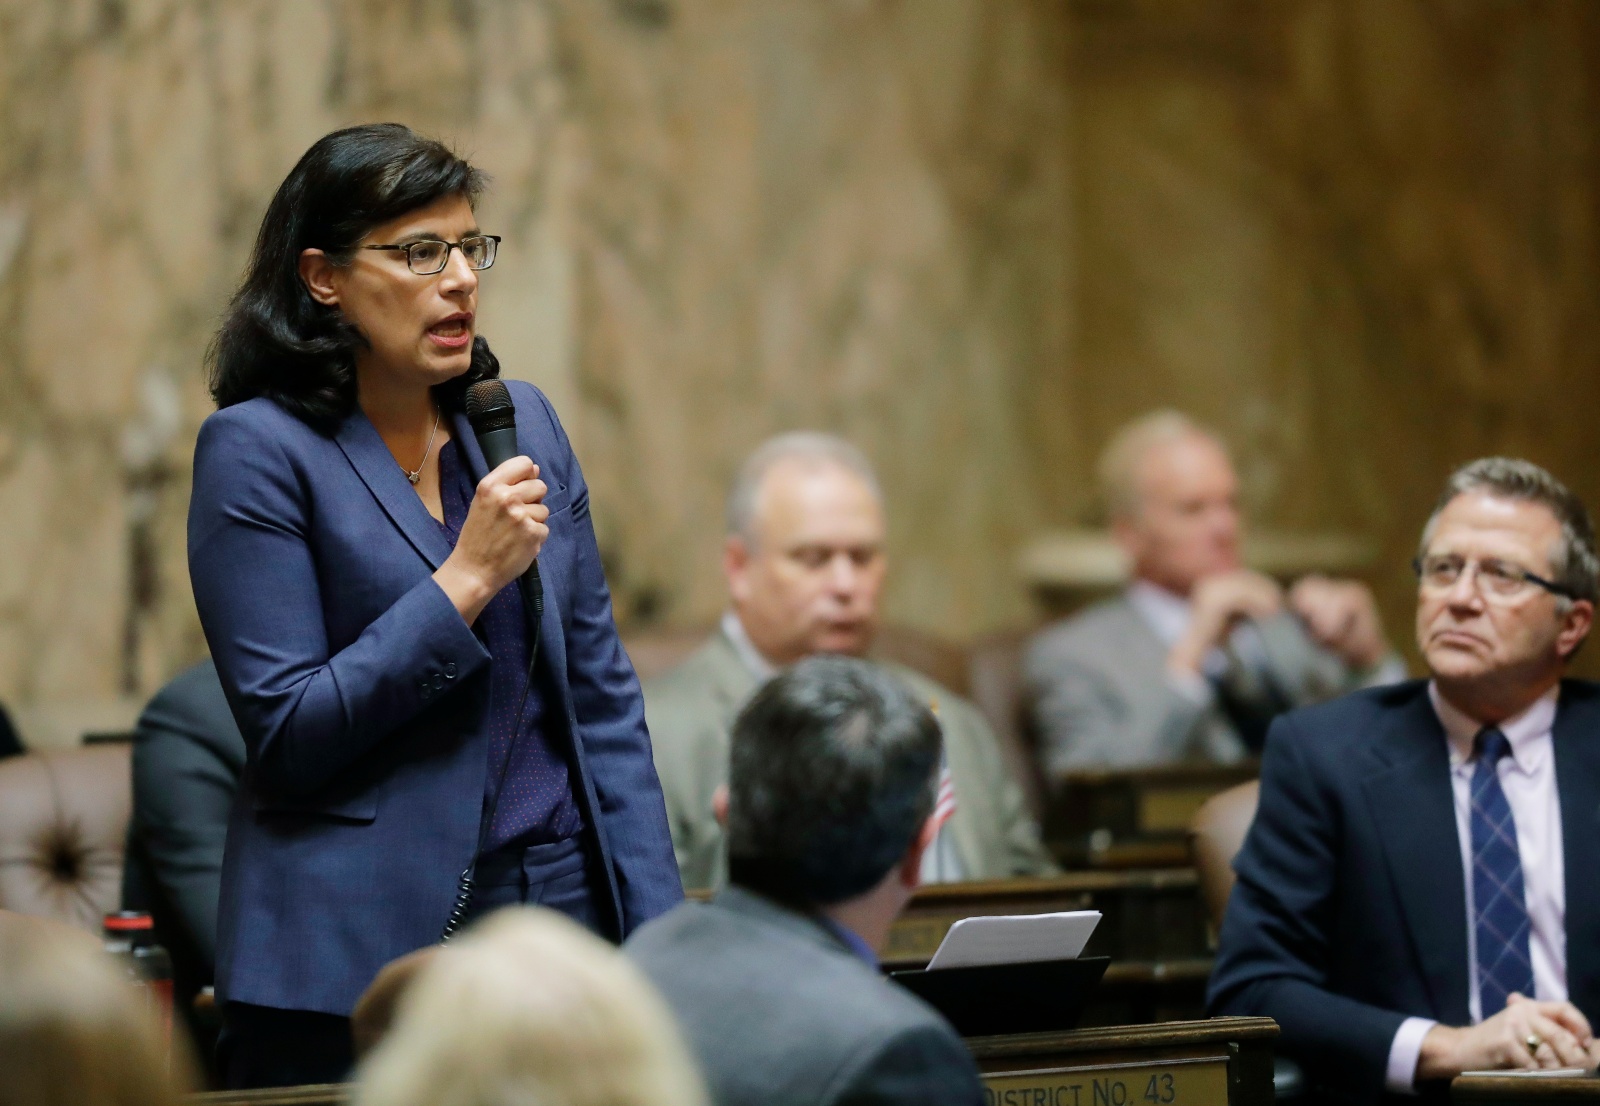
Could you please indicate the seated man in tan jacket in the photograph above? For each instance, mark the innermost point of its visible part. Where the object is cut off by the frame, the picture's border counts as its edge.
(804, 560)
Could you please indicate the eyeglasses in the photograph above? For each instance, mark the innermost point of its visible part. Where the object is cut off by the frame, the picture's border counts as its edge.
(430, 255)
(1495, 579)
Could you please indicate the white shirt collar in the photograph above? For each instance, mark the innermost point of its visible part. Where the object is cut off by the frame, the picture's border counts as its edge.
(761, 668)
(1167, 612)
(1528, 733)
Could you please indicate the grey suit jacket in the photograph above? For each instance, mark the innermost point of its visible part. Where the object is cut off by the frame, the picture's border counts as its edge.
(781, 1013)
(1101, 695)
(690, 712)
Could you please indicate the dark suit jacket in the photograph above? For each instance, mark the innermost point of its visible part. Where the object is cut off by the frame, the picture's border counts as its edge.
(188, 755)
(781, 1013)
(1349, 914)
(10, 743)
(362, 696)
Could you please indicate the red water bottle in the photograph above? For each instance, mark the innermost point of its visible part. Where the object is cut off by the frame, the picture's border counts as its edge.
(130, 937)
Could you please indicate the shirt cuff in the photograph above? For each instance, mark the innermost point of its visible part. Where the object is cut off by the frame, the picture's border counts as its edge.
(1192, 686)
(1400, 1077)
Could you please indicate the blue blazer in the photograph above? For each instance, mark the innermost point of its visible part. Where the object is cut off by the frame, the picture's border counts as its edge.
(1349, 914)
(362, 696)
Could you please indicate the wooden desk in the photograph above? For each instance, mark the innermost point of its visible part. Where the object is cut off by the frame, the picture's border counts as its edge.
(1507, 1090)
(1150, 915)
(1215, 1062)
(1153, 930)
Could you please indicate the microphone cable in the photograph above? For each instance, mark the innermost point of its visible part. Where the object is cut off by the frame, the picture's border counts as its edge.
(466, 887)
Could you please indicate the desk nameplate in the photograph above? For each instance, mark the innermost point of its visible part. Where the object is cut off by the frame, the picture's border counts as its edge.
(1197, 1081)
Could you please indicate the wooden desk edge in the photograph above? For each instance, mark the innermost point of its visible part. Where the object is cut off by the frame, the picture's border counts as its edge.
(1112, 1037)
(1518, 1088)
(316, 1094)
(1073, 882)
(1082, 879)
(1214, 1031)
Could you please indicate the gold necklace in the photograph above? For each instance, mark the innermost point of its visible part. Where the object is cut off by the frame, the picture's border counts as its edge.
(416, 476)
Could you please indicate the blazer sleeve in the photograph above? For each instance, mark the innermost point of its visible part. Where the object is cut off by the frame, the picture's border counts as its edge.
(186, 760)
(1084, 722)
(927, 1065)
(306, 712)
(1275, 946)
(610, 710)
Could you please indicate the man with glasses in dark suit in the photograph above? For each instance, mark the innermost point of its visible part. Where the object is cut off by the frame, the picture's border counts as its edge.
(1414, 899)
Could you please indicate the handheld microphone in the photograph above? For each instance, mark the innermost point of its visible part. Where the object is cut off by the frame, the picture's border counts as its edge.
(494, 422)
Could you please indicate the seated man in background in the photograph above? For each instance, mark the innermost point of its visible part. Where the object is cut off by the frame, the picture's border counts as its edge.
(775, 982)
(1196, 657)
(188, 755)
(804, 561)
(1416, 897)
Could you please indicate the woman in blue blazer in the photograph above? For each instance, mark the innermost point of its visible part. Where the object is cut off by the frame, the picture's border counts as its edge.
(355, 570)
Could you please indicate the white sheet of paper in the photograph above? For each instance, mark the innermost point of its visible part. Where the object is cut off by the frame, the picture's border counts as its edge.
(1015, 939)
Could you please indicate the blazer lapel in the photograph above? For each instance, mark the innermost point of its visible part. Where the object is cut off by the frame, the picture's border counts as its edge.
(1414, 810)
(732, 682)
(1577, 753)
(376, 466)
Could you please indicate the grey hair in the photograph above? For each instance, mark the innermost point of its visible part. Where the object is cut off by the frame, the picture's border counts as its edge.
(803, 445)
(1573, 562)
(1118, 470)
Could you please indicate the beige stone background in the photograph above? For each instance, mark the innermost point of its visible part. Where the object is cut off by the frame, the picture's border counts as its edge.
(1359, 236)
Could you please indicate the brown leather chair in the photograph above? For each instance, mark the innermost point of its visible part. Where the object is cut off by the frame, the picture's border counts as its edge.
(1215, 837)
(63, 823)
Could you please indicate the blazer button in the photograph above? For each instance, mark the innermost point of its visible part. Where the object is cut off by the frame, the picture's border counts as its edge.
(450, 671)
(438, 681)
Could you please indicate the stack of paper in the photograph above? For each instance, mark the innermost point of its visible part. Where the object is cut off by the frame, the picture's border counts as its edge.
(1015, 939)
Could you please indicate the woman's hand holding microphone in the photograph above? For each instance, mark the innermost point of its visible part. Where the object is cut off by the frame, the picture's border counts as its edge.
(504, 531)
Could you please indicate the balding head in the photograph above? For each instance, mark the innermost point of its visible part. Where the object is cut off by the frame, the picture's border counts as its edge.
(1173, 498)
(804, 552)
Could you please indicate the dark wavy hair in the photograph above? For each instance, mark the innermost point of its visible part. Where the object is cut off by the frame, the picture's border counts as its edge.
(275, 340)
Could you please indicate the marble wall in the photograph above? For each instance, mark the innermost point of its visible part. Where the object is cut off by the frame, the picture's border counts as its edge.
(1357, 235)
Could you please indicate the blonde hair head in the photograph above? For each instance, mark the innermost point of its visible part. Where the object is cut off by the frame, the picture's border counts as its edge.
(530, 1009)
(74, 1030)
(1123, 455)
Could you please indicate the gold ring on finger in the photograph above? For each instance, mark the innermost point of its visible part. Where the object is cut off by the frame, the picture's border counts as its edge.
(1533, 1041)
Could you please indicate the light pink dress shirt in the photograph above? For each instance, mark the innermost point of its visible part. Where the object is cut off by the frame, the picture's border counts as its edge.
(1528, 777)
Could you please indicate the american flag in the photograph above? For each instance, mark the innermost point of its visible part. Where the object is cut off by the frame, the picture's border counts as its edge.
(945, 804)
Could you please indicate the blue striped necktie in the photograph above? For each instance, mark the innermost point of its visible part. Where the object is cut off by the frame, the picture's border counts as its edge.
(1499, 907)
